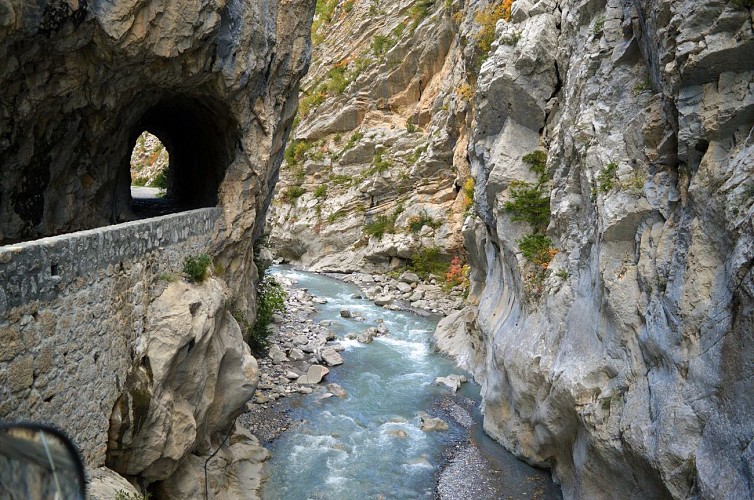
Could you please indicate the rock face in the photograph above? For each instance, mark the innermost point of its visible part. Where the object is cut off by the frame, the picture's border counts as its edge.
(215, 81)
(192, 375)
(378, 162)
(620, 354)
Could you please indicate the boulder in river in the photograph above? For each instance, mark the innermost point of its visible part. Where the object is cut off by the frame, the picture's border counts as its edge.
(331, 357)
(383, 300)
(431, 424)
(452, 381)
(337, 390)
(314, 375)
(345, 313)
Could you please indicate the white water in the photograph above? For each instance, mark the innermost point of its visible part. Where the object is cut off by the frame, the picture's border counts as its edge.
(369, 444)
(354, 447)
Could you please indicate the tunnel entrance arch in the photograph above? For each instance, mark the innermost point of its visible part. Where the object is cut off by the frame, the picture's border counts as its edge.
(201, 140)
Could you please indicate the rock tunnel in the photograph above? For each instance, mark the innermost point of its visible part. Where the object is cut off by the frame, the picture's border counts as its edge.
(201, 139)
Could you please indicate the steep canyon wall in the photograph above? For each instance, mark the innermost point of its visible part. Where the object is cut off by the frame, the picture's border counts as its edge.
(101, 333)
(614, 341)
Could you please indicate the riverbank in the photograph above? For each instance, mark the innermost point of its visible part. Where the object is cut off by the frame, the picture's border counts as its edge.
(299, 343)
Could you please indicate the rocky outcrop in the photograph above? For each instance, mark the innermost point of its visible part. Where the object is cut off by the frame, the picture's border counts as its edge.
(376, 171)
(618, 351)
(192, 375)
(215, 81)
(149, 162)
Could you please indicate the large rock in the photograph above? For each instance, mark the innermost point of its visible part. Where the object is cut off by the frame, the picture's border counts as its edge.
(314, 375)
(236, 471)
(625, 364)
(105, 484)
(193, 375)
(331, 357)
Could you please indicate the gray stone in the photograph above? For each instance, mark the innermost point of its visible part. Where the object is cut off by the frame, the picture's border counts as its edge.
(331, 357)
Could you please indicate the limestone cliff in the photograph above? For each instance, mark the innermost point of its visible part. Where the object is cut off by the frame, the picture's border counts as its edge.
(100, 332)
(378, 163)
(612, 331)
(216, 81)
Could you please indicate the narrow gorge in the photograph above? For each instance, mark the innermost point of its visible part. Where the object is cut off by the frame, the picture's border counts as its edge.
(563, 190)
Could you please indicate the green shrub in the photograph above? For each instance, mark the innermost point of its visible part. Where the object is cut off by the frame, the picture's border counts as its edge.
(537, 161)
(195, 267)
(296, 152)
(293, 193)
(320, 191)
(160, 180)
(598, 26)
(487, 18)
(418, 11)
(429, 262)
(536, 248)
(353, 140)
(529, 204)
(410, 127)
(380, 225)
(270, 300)
(607, 177)
(381, 44)
(416, 222)
(337, 215)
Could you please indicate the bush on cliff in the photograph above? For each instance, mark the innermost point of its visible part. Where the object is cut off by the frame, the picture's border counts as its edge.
(195, 267)
(270, 300)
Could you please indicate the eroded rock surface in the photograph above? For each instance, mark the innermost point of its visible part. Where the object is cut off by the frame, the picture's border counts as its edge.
(215, 81)
(624, 363)
(376, 172)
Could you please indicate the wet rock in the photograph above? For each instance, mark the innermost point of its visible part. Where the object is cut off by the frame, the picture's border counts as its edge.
(331, 357)
(451, 381)
(314, 375)
(383, 300)
(337, 390)
(345, 313)
(432, 424)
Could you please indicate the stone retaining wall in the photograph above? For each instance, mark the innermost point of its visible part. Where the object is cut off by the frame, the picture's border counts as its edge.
(72, 310)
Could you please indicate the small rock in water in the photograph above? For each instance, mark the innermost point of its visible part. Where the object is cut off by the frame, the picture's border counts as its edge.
(452, 381)
(319, 300)
(325, 322)
(331, 357)
(305, 390)
(356, 296)
(330, 335)
(399, 433)
(345, 313)
(431, 424)
(337, 390)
